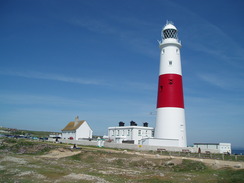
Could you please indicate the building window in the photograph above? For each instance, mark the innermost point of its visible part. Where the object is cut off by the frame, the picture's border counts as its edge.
(170, 63)
(128, 134)
(117, 132)
(139, 132)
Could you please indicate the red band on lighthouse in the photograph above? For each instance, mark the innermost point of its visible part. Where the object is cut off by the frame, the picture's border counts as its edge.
(170, 91)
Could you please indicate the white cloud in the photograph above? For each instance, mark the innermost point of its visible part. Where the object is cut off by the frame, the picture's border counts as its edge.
(94, 25)
(224, 81)
(128, 35)
(126, 85)
(210, 39)
(26, 99)
(52, 112)
(56, 77)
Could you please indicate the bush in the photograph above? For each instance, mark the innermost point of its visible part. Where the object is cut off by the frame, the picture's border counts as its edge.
(10, 141)
(231, 176)
(190, 165)
(26, 147)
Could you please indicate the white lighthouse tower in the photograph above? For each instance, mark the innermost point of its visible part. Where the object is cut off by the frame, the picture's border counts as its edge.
(170, 120)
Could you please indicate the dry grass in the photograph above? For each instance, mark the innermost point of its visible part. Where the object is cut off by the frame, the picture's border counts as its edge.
(60, 164)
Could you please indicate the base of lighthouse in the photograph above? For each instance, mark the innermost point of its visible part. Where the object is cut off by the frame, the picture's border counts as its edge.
(170, 128)
(170, 124)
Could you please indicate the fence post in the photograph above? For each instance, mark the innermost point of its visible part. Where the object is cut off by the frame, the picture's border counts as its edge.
(223, 156)
(236, 157)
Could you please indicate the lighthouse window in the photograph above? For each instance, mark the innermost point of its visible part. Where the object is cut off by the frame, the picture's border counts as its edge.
(161, 88)
(177, 51)
(162, 51)
(170, 62)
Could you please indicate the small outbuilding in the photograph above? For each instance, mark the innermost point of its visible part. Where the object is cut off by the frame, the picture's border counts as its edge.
(218, 147)
(77, 130)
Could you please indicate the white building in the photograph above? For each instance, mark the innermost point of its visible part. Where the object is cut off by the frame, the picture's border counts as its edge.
(132, 134)
(77, 130)
(219, 147)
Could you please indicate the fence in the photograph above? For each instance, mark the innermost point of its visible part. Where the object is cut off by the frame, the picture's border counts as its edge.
(208, 155)
(167, 151)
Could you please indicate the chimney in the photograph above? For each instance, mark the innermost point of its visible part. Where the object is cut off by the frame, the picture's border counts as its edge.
(145, 124)
(133, 123)
(121, 123)
(76, 120)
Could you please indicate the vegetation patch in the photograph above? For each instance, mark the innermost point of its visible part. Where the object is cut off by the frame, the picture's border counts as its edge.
(20, 146)
(76, 157)
(9, 140)
(189, 166)
(155, 180)
(101, 165)
(228, 175)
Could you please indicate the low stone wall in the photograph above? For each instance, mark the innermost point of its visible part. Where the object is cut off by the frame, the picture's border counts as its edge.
(137, 147)
(79, 142)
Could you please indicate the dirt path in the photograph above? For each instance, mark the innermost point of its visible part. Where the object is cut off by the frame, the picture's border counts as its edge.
(65, 152)
(60, 153)
(177, 159)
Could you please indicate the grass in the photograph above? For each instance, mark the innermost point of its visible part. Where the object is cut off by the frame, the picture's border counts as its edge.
(155, 180)
(25, 146)
(102, 166)
(231, 176)
(190, 166)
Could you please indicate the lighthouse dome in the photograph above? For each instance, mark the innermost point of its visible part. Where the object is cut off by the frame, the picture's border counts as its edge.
(169, 31)
(169, 26)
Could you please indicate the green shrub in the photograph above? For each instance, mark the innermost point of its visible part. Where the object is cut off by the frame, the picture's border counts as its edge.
(2, 147)
(27, 147)
(190, 165)
(119, 162)
(76, 157)
(231, 176)
(10, 141)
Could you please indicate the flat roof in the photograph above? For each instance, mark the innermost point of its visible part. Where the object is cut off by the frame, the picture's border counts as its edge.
(131, 127)
(206, 143)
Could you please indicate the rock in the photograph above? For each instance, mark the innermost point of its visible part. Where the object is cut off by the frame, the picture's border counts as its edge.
(169, 163)
(237, 166)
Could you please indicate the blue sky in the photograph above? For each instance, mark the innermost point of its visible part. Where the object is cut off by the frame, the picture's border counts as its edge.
(99, 59)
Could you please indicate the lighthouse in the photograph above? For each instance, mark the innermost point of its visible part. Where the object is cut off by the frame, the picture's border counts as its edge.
(170, 120)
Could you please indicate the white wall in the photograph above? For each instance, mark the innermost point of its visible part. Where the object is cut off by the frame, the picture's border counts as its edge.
(207, 146)
(68, 134)
(225, 147)
(221, 147)
(83, 132)
(136, 133)
(161, 142)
